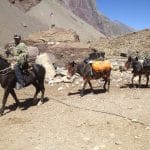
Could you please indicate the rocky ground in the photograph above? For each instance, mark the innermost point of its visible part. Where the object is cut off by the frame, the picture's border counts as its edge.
(117, 120)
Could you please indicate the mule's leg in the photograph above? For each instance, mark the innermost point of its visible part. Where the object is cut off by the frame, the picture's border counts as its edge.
(82, 91)
(5, 96)
(42, 95)
(43, 91)
(108, 80)
(104, 86)
(91, 86)
(37, 87)
(12, 92)
(147, 76)
(139, 81)
(132, 80)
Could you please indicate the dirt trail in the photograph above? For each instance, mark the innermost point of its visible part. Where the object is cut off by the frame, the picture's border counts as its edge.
(115, 120)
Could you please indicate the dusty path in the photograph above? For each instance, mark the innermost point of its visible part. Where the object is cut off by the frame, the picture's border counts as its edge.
(118, 120)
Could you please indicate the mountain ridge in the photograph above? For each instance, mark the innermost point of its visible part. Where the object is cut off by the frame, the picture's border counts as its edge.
(86, 9)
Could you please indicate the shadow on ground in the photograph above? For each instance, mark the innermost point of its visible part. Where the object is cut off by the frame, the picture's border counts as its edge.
(24, 105)
(135, 86)
(88, 91)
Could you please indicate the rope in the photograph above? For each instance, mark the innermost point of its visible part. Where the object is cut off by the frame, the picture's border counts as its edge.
(6, 73)
(100, 111)
(2, 70)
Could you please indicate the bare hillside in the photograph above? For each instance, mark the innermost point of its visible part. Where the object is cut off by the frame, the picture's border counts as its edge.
(25, 5)
(87, 11)
(12, 21)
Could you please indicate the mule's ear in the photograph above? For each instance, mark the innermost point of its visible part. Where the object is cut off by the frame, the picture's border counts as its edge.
(129, 58)
(136, 58)
(73, 63)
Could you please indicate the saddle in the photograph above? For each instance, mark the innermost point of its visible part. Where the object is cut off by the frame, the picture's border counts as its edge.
(27, 73)
(28, 76)
(26, 68)
(101, 66)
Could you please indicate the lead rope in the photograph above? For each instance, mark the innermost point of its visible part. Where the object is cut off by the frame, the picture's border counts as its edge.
(3, 70)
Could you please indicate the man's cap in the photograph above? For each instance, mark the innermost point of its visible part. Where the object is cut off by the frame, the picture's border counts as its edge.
(16, 36)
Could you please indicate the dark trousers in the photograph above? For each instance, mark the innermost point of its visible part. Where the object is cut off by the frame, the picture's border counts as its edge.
(19, 75)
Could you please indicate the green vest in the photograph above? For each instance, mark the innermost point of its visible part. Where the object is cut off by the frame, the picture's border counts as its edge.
(20, 53)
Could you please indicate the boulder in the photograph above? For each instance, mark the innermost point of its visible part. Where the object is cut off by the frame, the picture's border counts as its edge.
(33, 52)
(52, 36)
(44, 60)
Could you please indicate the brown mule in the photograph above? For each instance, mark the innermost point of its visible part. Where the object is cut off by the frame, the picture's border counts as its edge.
(84, 70)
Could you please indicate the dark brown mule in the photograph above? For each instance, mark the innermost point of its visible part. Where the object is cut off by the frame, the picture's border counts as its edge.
(139, 69)
(84, 70)
(8, 81)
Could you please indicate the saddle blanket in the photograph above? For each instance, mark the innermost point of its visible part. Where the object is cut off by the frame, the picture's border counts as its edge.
(100, 66)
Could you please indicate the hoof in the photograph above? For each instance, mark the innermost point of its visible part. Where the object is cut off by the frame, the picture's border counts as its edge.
(132, 86)
(1, 112)
(81, 94)
(69, 94)
(1, 115)
(34, 103)
(18, 105)
(92, 91)
(105, 89)
(39, 103)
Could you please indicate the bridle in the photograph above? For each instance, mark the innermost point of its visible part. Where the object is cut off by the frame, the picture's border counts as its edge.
(128, 64)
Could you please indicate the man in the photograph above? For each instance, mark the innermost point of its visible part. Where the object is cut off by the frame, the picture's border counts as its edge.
(20, 53)
(95, 55)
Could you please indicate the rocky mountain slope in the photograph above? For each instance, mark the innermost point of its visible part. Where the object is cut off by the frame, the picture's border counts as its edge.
(130, 43)
(86, 9)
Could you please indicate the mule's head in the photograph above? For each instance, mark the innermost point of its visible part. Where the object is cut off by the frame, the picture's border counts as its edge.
(130, 61)
(71, 67)
(3, 63)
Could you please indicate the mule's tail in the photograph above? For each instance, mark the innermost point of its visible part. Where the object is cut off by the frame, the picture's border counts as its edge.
(40, 73)
(40, 76)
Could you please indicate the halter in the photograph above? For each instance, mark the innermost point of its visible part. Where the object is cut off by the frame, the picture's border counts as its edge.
(127, 65)
(73, 70)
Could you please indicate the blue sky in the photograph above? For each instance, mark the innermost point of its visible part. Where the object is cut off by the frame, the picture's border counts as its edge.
(134, 13)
